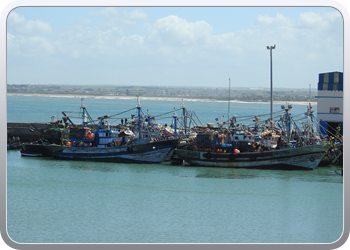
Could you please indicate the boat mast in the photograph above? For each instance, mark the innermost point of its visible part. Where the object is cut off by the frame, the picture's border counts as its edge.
(184, 115)
(229, 98)
(138, 106)
(175, 118)
(309, 93)
(84, 115)
(287, 120)
(309, 122)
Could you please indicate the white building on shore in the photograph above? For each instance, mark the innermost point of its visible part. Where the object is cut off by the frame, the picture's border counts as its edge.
(330, 102)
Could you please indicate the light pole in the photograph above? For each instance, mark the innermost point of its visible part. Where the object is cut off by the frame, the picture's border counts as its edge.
(271, 90)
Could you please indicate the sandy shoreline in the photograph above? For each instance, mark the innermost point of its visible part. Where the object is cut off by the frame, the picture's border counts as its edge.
(154, 98)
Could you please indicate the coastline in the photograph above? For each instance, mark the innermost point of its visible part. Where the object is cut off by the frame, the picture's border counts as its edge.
(156, 98)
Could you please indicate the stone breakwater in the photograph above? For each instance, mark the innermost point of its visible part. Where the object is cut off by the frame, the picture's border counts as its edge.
(21, 130)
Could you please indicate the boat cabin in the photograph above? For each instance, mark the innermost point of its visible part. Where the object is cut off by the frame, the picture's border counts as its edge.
(271, 140)
(242, 137)
(106, 138)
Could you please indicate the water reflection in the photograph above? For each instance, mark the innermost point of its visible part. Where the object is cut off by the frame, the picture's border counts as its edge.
(324, 174)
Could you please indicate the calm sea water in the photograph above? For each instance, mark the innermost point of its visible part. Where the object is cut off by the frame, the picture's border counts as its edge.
(51, 201)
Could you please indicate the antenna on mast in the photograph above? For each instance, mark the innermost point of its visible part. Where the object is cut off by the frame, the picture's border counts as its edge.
(138, 102)
(82, 102)
(310, 92)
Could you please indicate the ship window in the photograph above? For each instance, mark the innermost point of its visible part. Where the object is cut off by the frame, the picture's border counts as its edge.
(325, 86)
(334, 110)
(236, 137)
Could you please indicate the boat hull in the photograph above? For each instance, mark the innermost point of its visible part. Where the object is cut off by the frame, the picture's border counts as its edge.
(30, 153)
(143, 153)
(307, 157)
(35, 148)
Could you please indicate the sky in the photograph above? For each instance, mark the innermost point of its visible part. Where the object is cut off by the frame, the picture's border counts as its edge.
(173, 46)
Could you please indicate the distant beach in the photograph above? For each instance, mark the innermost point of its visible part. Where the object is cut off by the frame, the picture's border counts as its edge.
(155, 98)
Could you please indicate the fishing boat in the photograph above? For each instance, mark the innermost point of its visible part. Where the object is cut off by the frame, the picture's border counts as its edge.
(109, 145)
(272, 146)
(34, 149)
(247, 150)
(31, 153)
(54, 135)
(306, 157)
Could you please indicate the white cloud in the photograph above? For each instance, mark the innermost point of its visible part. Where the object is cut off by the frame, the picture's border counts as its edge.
(14, 19)
(40, 45)
(136, 15)
(125, 17)
(279, 20)
(313, 20)
(12, 44)
(192, 48)
(28, 37)
(175, 31)
(88, 42)
(311, 31)
(28, 27)
(29, 46)
(134, 39)
(306, 20)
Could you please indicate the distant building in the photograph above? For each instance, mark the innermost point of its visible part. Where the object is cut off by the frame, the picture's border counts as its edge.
(330, 102)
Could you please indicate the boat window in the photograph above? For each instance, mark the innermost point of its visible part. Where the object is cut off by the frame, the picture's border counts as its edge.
(236, 137)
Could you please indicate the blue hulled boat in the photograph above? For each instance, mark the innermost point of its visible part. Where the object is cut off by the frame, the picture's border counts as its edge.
(105, 144)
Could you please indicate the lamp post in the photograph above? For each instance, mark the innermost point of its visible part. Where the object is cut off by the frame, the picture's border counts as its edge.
(271, 89)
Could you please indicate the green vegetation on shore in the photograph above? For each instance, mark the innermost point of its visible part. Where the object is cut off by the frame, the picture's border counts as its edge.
(238, 93)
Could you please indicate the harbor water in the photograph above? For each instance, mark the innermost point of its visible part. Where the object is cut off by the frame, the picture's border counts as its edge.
(55, 201)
